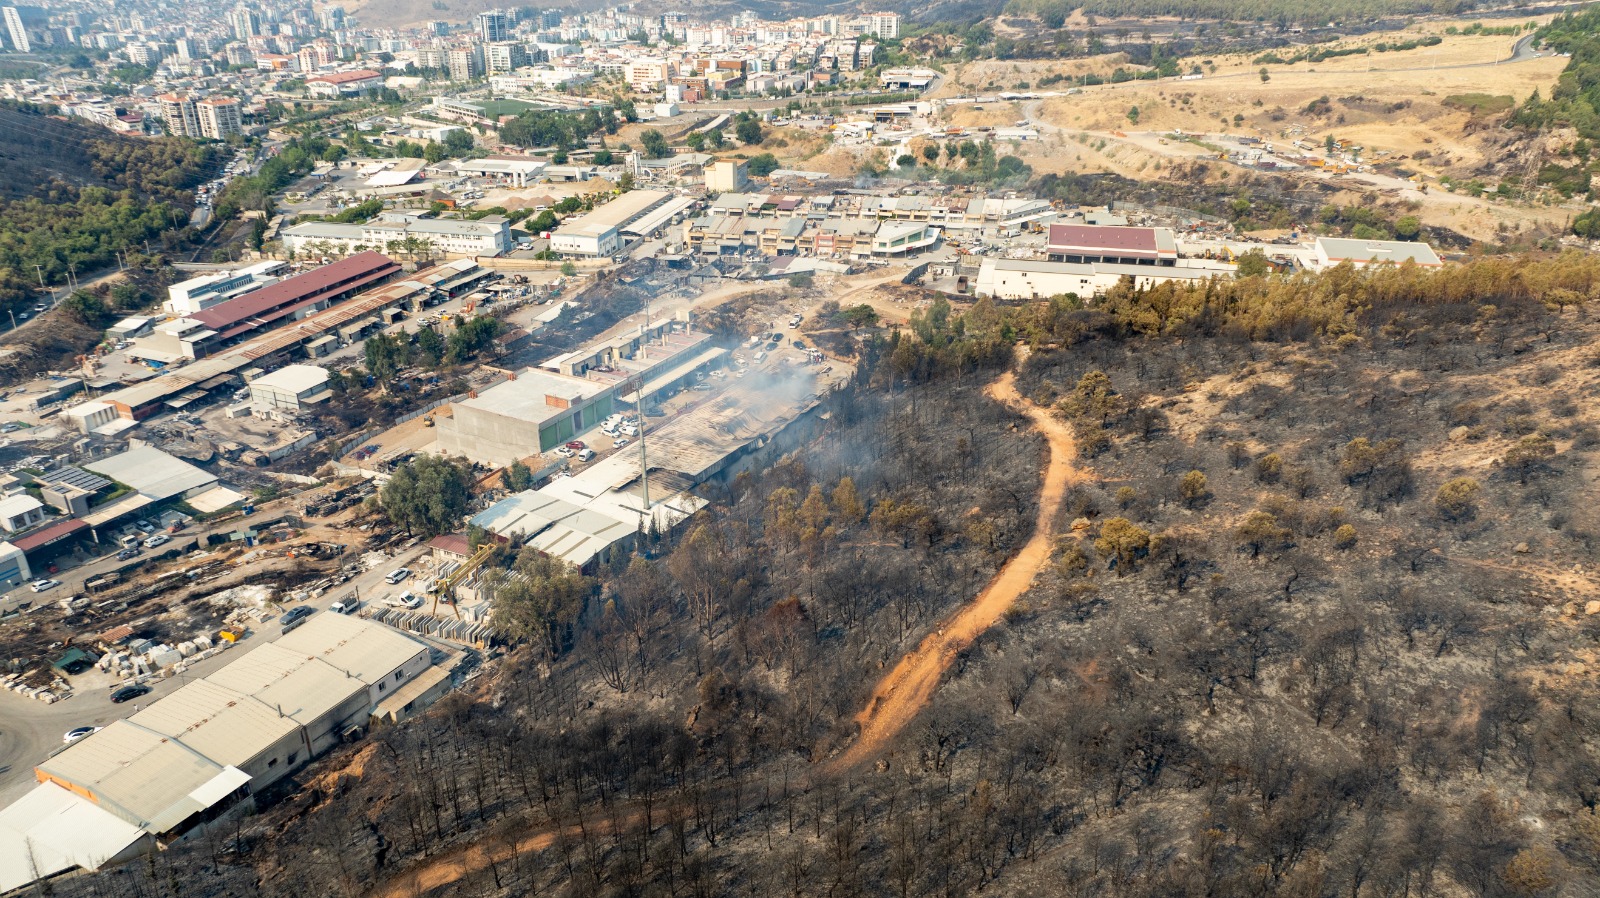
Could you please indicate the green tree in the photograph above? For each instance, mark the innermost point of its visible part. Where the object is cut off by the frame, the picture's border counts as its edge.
(1194, 488)
(655, 145)
(1260, 530)
(930, 152)
(568, 269)
(1264, 76)
(1254, 264)
(1457, 500)
(1407, 227)
(1529, 457)
(540, 600)
(471, 338)
(762, 165)
(517, 477)
(430, 346)
(385, 355)
(1124, 541)
(749, 131)
(428, 495)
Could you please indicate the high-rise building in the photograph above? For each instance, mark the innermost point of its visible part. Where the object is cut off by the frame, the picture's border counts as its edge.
(244, 22)
(884, 24)
(239, 54)
(550, 18)
(219, 117)
(333, 18)
(494, 26)
(184, 49)
(464, 63)
(141, 53)
(439, 27)
(179, 112)
(19, 34)
(502, 59)
(672, 21)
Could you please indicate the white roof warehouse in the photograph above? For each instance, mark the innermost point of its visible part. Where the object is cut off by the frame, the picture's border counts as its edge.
(192, 754)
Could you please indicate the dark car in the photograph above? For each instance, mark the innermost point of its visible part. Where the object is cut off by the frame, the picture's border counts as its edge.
(128, 693)
(130, 552)
(294, 616)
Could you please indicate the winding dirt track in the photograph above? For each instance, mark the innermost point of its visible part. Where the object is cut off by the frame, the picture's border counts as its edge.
(901, 696)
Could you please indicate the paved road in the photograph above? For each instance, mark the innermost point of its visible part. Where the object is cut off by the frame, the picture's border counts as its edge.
(31, 730)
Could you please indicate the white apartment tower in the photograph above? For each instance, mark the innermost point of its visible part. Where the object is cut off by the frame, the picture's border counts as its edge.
(179, 112)
(19, 34)
(884, 24)
(219, 117)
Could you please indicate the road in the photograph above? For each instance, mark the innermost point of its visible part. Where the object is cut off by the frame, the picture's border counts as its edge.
(31, 730)
(909, 687)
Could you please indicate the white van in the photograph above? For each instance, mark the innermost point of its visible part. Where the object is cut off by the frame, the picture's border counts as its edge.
(160, 539)
(585, 454)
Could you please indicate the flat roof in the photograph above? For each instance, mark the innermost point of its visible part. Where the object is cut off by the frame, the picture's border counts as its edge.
(655, 218)
(152, 472)
(289, 681)
(1344, 249)
(524, 398)
(293, 378)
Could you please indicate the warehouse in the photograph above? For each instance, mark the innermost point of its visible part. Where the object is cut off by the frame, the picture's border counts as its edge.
(487, 236)
(600, 232)
(198, 752)
(289, 390)
(534, 412)
(153, 474)
(298, 296)
(1032, 279)
(1121, 246)
(1332, 251)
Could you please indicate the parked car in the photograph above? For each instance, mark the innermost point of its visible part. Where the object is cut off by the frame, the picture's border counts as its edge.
(144, 526)
(130, 552)
(128, 693)
(619, 442)
(576, 446)
(74, 735)
(395, 576)
(294, 617)
(564, 452)
(42, 585)
(160, 539)
(585, 454)
(403, 600)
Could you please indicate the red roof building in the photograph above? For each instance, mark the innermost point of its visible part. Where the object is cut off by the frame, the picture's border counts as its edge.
(299, 296)
(1121, 246)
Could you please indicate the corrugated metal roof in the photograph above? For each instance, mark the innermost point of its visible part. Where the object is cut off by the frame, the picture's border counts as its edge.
(365, 650)
(298, 289)
(51, 830)
(224, 725)
(290, 682)
(152, 472)
(138, 774)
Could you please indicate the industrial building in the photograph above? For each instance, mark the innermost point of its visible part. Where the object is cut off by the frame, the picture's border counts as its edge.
(299, 296)
(513, 171)
(313, 336)
(289, 390)
(201, 751)
(1111, 245)
(200, 293)
(1033, 279)
(487, 236)
(1331, 251)
(533, 412)
(726, 176)
(637, 213)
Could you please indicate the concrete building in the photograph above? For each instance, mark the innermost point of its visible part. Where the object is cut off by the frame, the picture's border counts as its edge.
(1331, 251)
(600, 232)
(727, 176)
(503, 59)
(1032, 279)
(155, 475)
(338, 84)
(487, 236)
(20, 512)
(464, 63)
(289, 390)
(180, 114)
(219, 117)
(211, 744)
(1123, 246)
(532, 413)
(494, 26)
(513, 171)
(17, 31)
(296, 297)
(200, 293)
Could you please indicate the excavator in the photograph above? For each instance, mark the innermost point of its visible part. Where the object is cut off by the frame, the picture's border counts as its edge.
(447, 588)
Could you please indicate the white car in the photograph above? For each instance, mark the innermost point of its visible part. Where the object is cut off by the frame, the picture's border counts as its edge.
(564, 452)
(43, 585)
(403, 600)
(397, 575)
(160, 539)
(74, 735)
(631, 430)
(619, 442)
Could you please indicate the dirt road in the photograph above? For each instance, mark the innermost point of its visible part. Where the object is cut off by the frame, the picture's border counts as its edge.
(908, 689)
(896, 701)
